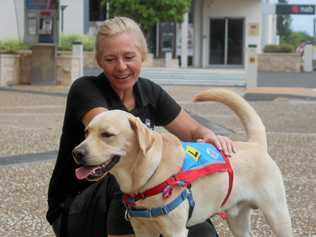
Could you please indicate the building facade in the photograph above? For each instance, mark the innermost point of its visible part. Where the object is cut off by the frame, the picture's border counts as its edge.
(216, 33)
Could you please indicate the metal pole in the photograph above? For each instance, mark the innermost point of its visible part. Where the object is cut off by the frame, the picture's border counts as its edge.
(315, 28)
(107, 10)
(63, 7)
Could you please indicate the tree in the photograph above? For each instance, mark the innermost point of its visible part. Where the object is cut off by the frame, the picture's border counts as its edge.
(284, 23)
(149, 12)
(296, 38)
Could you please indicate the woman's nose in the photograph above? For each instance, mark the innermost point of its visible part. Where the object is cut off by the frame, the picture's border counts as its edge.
(121, 64)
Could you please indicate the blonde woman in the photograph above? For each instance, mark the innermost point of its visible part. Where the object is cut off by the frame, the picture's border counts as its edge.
(80, 208)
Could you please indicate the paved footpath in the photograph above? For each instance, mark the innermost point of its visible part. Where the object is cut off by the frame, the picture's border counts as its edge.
(30, 125)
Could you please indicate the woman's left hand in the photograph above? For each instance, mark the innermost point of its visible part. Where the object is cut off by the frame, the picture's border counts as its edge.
(221, 142)
(187, 129)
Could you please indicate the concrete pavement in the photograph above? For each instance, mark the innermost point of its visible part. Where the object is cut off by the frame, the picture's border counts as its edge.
(30, 123)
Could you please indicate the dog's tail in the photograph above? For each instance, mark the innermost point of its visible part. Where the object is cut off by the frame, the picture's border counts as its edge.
(248, 116)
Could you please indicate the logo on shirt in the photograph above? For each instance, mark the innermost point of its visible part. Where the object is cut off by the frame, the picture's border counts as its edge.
(149, 124)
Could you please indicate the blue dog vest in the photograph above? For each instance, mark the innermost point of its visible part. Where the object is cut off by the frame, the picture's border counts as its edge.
(198, 155)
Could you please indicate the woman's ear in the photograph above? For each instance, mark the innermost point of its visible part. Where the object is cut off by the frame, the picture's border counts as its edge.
(98, 59)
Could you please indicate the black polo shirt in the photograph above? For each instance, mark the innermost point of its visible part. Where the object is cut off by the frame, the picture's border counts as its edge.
(153, 106)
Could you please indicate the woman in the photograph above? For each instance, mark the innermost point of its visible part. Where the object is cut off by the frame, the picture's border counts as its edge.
(79, 208)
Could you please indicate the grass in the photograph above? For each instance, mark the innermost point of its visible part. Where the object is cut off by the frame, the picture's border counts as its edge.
(66, 41)
(12, 46)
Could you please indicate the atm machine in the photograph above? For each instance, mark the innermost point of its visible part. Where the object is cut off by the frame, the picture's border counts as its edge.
(41, 31)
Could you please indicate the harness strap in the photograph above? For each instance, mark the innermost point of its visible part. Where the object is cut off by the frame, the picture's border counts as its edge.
(230, 177)
(184, 179)
(161, 211)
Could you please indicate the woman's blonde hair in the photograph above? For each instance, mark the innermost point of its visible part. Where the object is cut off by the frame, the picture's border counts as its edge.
(117, 25)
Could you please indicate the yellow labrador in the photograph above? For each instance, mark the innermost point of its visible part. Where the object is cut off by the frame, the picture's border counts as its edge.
(140, 158)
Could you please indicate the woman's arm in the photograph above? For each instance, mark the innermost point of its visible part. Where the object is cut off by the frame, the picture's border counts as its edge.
(187, 129)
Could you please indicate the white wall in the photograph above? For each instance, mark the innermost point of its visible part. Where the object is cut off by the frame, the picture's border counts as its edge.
(11, 18)
(250, 10)
(268, 22)
(73, 16)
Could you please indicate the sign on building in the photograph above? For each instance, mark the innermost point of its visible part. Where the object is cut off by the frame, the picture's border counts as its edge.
(295, 9)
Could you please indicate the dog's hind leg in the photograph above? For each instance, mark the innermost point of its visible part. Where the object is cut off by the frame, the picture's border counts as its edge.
(239, 220)
(277, 215)
(272, 202)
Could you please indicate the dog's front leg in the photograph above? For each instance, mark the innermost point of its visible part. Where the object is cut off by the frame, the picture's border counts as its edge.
(143, 228)
(150, 229)
(182, 233)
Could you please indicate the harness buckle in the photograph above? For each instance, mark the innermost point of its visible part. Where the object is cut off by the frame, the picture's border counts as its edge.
(172, 181)
(164, 210)
(126, 215)
(150, 212)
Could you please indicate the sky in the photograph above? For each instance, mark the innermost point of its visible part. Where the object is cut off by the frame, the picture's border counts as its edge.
(303, 22)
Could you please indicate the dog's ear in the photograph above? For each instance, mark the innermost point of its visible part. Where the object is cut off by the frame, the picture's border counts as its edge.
(143, 135)
(150, 145)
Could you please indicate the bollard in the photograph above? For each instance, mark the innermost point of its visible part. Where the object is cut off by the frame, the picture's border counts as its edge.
(252, 67)
(168, 58)
(77, 51)
(308, 58)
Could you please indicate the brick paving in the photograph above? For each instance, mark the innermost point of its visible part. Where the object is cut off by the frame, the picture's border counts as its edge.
(31, 123)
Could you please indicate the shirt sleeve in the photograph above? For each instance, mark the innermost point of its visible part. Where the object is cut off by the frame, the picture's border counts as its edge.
(85, 95)
(166, 109)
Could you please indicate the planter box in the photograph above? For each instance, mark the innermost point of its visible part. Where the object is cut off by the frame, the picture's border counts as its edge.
(9, 69)
(17, 68)
(279, 62)
(67, 68)
(25, 67)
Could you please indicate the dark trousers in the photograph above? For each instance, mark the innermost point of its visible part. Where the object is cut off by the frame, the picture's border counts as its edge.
(98, 211)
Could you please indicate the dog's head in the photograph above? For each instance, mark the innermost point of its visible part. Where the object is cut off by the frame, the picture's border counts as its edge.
(109, 137)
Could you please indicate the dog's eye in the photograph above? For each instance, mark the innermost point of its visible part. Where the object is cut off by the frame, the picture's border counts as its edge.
(106, 134)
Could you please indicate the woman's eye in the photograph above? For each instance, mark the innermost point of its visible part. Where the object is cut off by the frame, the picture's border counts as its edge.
(109, 60)
(129, 57)
(106, 134)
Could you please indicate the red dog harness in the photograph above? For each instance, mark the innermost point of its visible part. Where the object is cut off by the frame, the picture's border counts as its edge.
(186, 176)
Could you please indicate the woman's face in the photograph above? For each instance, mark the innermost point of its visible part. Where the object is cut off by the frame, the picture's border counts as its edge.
(120, 60)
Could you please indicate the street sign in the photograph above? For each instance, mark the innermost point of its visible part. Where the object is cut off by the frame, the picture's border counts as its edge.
(295, 9)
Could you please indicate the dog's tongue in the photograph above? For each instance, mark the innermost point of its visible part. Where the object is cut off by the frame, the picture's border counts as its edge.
(83, 172)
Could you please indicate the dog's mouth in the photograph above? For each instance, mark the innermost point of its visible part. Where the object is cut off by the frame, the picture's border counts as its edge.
(93, 173)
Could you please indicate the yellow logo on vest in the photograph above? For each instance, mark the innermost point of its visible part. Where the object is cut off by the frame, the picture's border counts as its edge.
(194, 153)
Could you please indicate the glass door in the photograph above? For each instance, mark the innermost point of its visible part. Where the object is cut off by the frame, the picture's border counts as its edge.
(235, 42)
(217, 41)
(226, 41)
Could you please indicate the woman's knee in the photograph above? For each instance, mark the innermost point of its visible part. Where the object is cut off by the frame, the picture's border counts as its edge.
(205, 229)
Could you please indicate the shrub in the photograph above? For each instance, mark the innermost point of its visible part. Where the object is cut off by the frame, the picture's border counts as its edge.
(65, 42)
(282, 48)
(12, 46)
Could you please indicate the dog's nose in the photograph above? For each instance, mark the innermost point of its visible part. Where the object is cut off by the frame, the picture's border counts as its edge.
(79, 154)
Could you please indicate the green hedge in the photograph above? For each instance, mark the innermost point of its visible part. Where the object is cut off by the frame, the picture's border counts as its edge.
(12, 46)
(65, 42)
(282, 48)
